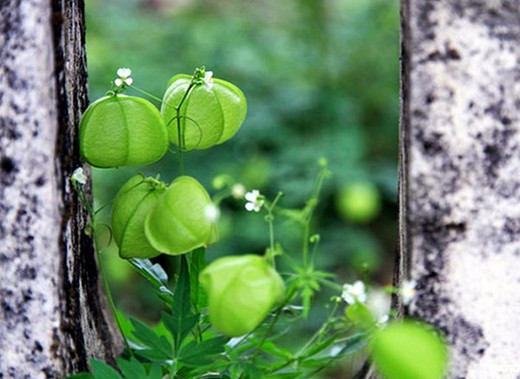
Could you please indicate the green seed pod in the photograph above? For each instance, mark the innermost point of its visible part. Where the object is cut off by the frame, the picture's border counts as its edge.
(179, 222)
(132, 204)
(241, 292)
(210, 115)
(122, 130)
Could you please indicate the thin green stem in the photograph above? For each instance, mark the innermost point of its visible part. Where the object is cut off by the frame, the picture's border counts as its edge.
(320, 331)
(148, 94)
(309, 210)
(314, 251)
(269, 330)
(180, 129)
(111, 303)
(305, 241)
(270, 220)
(84, 200)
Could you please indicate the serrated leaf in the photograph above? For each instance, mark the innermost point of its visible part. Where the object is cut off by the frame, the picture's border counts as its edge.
(181, 321)
(317, 348)
(187, 325)
(132, 369)
(103, 371)
(155, 274)
(152, 355)
(197, 264)
(160, 347)
(194, 354)
(155, 372)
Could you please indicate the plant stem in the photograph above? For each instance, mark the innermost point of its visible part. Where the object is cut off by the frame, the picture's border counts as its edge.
(111, 303)
(309, 210)
(148, 94)
(320, 331)
(180, 129)
(268, 331)
(84, 200)
(270, 221)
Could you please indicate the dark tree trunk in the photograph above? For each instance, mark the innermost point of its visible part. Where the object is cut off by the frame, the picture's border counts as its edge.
(52, 310)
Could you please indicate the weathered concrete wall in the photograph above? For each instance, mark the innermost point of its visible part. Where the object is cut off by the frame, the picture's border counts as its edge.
(460, 188)
(51, 311)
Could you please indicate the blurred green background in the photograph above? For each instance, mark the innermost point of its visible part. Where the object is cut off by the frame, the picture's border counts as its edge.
(321, 78)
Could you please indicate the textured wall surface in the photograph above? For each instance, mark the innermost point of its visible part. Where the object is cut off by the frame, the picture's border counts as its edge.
(29, 214)
(51, 310)
(461, 177)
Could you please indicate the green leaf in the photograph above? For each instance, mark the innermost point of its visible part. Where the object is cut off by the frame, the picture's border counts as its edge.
(317, 348)
(103, 371)
(152, 355)
(306, 295)
(155, 372)
(187, 324)
(409, 350)
(155, 274)
(182, 320)
(132, 369)
(317, 362)
(353, 344)
(82, 375)
(275, 350)
(197, 264)
(246, 370)
(159, 347)
(197, 354)
(285, 375)
(360, 315)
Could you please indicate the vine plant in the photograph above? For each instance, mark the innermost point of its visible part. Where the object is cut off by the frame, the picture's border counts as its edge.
(230, 318)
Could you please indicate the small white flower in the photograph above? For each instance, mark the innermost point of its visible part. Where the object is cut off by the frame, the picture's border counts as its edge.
(208, 80)
(238, 190)
(254, 201)
(211, 213)
(407, 291)
(124, 77)
(354, 292)
(79, 176)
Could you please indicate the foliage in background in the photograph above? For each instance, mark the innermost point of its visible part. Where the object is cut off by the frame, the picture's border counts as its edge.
(322, 78)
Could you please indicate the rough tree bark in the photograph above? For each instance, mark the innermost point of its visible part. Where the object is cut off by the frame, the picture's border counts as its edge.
(52, 312)
(460, 177)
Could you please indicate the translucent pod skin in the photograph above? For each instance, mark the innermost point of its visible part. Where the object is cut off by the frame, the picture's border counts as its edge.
(208, 116)
(132, 204)
(241, 292)
(122, 130)
(178, 222)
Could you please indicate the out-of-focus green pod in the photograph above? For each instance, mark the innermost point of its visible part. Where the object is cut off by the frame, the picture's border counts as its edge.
(241, 292)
